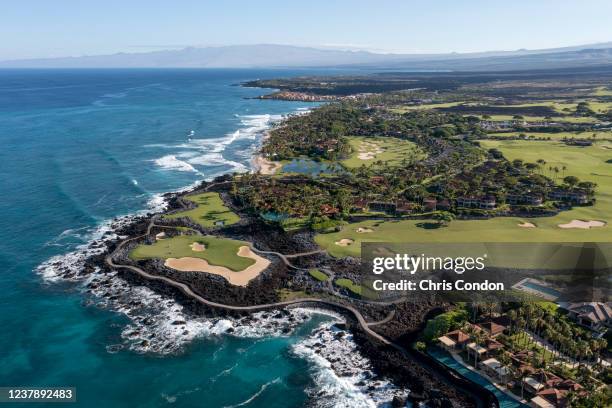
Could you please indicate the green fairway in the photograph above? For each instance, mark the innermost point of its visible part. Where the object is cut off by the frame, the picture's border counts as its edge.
(593, 163)
(602, 91)
(210, 210)
(368, 150)
(557, 136)
(219, 251)
(568, 119)
(407, 108)
(350, 285)
(318, 275)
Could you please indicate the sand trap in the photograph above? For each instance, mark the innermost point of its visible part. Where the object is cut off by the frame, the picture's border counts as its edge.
(344, 242)
(368, 151)
(160, 236)
(364, 230)
(197, 247)
(583, 224)
(238, 278)
(265, 166)
(527, 225)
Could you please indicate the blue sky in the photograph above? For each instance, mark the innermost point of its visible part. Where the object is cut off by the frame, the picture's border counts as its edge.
(44, 28)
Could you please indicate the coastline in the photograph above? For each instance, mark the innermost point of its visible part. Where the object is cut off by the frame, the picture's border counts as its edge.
(103, 282)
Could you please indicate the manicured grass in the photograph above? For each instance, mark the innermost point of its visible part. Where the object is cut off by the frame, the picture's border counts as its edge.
(587, 163)
(394, 150)
(210, 209)
(318, 275)
(557, 136)
(602, 91)
(219, 251)
(569, 119)
(407, 108)
(350, 285)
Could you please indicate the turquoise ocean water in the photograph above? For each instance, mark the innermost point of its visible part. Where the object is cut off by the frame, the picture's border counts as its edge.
(80, 148)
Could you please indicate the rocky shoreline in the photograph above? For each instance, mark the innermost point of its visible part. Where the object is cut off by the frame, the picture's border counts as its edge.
(424, 384)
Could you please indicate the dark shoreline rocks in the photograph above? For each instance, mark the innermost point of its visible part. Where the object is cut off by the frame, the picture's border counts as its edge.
(387, 362)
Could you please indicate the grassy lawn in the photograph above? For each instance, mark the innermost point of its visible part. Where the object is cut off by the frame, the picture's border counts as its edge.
(210, 209)
(219, 251)
(318, 275)
(558, 136)
(568, 119)
(407, 108)
(350, 285)
(388, 149)
(602, 91)
(591, 163)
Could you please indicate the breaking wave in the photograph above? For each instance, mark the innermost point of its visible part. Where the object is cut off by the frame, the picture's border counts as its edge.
(343, 377)
(199, 154)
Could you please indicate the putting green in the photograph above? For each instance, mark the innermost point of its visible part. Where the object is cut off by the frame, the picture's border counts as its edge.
(218, 251)
(210, 210)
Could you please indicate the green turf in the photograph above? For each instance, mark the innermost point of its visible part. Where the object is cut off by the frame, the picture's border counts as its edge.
(350, 285)
(407, 108)
(557, 136)
(591, 163)
(210, 209)
(394, 150)
(318, 275)
(568, 119)
(602, 91)
(219, 251)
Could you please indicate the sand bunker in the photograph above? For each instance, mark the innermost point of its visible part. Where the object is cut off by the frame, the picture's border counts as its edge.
(197, 247)
(160, 236)
(583, 224)
(238, 278)
(368, 150)
(527, 225)
(344, 242)
(364, 230)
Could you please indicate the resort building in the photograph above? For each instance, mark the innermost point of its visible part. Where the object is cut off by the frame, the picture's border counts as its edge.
(596, 316)
(454, 340)
(492, 329)
(495, 369)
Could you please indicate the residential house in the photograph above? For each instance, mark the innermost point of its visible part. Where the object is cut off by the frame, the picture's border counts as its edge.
(430, 204)
(382, 206)
(359, 205)
(404, 207)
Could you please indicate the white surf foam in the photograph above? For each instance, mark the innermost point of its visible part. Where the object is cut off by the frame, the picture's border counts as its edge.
(343, 377)
(171, 162)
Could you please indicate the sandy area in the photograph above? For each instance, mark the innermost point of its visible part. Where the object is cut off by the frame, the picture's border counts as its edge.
(527, 225)
(364, 230)
(583, 224)
(160, 236)
(265, 166)
(344, 242)
(197, 247)
(368, 150)
(238, 278)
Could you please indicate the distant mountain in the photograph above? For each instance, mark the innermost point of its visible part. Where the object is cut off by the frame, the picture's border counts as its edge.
(277, 56)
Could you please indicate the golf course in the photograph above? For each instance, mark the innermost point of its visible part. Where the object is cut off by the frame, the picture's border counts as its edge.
(591, 163)
(368, 151)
